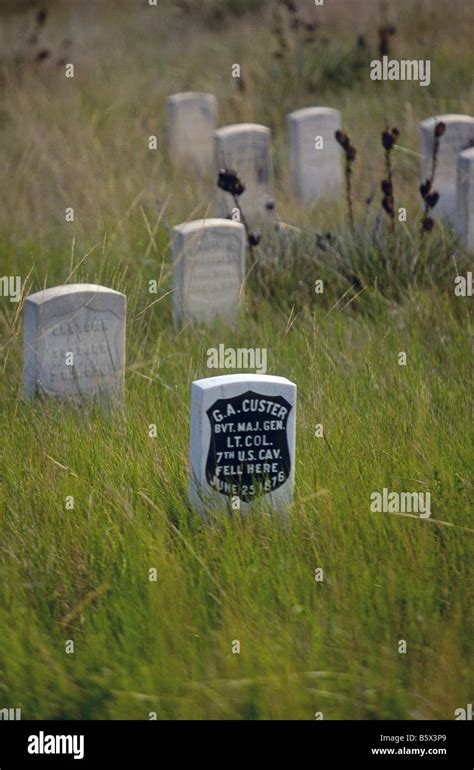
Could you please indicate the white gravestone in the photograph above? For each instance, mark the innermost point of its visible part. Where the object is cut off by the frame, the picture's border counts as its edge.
(459, 135)
(74, 342)
(315, 156)
(191, 122)
(242, 447)
(246, 149)
(465, 197)
(209, 270)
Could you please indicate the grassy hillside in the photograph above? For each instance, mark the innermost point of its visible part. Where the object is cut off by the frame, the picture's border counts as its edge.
(165, 646)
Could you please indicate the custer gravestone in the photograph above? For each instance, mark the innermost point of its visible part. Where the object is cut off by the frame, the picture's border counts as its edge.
(465, 197)
(74, 342)
(209, 270)
(191, 122)
(242, 444)
(459, 135)
(315, 156)
(246, 149)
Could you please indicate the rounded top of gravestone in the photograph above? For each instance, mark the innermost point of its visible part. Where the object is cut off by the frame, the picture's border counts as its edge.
(71, 290)
(190, 96)
(467, 154)
(202, 224)
(238, 128)
(430, 123)
(312, 112)
(246, 379)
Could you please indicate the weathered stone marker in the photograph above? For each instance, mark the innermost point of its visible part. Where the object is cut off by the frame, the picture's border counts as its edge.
(246, 149)
(459, 136)
(74, 342)
(243, 431)
(209, 270)
(315, 156)
(465, 197)
(192, 120)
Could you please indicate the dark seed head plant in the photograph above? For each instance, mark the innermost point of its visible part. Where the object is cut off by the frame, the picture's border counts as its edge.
(350, 153)
(389, 138)
(385, 33)
(229, 182)
(429, 196)
(279, 33)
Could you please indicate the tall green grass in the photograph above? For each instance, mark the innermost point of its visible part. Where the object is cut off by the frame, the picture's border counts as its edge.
(306, 646)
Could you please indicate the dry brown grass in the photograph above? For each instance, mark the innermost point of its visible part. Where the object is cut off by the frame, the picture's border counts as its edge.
(83, 142)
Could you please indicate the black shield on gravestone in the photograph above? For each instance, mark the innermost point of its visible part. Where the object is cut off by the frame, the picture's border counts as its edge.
(248, 449)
